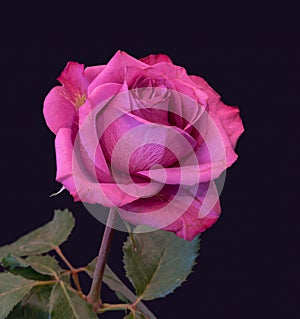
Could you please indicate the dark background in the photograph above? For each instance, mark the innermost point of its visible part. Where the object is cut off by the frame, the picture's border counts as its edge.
(248, 265)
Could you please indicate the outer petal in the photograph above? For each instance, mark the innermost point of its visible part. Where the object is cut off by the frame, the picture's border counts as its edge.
(216, 152)
(228, 115)
(231, 120)
(73, 78)
(201, 83)
(78, 182)
(58, 111)
(156, 58)
(201, 215)
(187, 214)
(87, 144)
(217, 144)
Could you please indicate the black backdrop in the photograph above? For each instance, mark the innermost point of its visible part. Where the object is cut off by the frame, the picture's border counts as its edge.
(248, 266)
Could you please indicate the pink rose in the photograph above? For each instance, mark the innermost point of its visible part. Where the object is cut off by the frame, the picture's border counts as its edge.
(144, 136)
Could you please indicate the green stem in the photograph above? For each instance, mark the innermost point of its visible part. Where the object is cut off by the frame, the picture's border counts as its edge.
(94, 295)
(115, 307)
(74, 273)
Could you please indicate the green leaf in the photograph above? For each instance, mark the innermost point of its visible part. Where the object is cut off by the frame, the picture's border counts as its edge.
(115, 284)
(65, 303)
(44, 238)
(30, 274)
(11, 262)
(36, 305)
(34, 312)
(46, 265)
(66, 278)
(20, 267)
(159, 261)
(12, 290)
(17, 312)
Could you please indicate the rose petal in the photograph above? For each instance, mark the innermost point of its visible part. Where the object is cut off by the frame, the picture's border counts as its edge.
(206, 162)
(215, 152)
(87, 143)
(229, 115)
(115, 70)
(82, 186)
(217, 146)
(134, 144)
(73, 78)
(58, 111)
(231, 120)
(173, 72)
(187, 214)
(156, 58)
(185, 175)
(91, 72)
(103, 93)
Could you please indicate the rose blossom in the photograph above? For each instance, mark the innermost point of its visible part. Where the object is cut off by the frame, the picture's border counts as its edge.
(144, 136)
